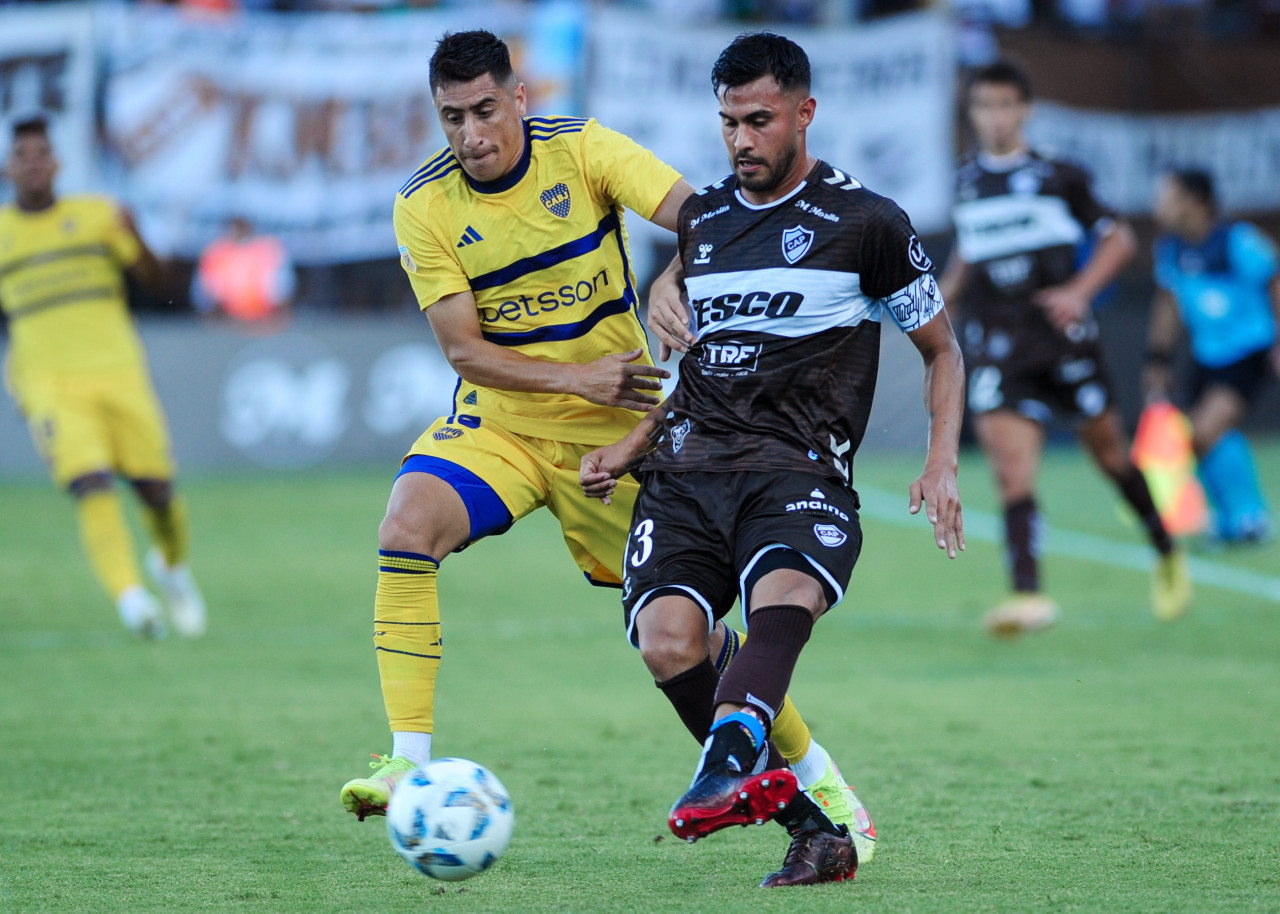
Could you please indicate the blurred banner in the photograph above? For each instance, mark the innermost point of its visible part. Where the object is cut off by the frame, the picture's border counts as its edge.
(47, 67)
(1126, 152)
(326, 392)
(304, 125)
(885, 94)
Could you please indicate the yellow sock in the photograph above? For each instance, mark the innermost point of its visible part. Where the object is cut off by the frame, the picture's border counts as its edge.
(790, 733)
(406, 638)
(168, 528)
(107, 541)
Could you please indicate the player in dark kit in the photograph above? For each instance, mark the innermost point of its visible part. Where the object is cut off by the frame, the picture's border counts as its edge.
(1031, 338)
(789, 265)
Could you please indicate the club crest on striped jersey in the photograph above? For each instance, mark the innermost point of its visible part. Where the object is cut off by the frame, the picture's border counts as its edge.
(557, 200)
(829, 535)
(796, 242)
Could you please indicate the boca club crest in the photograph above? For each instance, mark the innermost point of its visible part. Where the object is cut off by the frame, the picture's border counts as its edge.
(795, 242)
(557, 200)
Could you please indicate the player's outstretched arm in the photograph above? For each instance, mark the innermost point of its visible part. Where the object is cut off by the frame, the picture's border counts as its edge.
(612, 380)
(669, 311)
(145, 270)
(667, 214)
(1068, 303)
(936, 488)
(602, 468)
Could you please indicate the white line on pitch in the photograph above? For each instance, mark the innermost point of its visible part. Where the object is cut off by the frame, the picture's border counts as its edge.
(986, 527)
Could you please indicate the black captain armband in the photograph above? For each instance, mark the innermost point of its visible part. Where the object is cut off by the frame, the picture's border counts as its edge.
(1158, 357)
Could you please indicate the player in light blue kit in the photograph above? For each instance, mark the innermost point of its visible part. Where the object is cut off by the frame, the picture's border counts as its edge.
(1221, 280)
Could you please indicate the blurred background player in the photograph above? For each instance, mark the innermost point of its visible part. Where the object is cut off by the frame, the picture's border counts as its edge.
(1032, 338)
(515, 247)
(77, 371)
(1220, 279)
(244, 275)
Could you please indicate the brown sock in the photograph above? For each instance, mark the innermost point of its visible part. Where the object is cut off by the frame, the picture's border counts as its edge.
(760, 674)
(1022, 533)
(1133, 486)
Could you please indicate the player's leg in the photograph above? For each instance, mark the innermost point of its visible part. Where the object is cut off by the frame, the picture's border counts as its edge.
(1105, 440)
(109, 546)
(141, 452)
(458, 485)
(785, 599)
(164, 512)
(815, 768)
(1226, 467)
(785, 588)
(70, 432)
(1012, 444)
(596, 535)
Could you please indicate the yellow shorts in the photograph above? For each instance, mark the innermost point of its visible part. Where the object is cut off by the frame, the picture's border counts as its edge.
(101, 424)
(502, 477)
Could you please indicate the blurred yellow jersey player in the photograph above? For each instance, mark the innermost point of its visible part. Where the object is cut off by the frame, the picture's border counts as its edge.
(514, 243)
(77, 371)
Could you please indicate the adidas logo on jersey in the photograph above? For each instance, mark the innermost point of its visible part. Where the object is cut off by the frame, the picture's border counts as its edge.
(470, 236)
(470, 399)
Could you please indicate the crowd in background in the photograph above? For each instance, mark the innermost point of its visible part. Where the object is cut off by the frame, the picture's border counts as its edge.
(1115, 19)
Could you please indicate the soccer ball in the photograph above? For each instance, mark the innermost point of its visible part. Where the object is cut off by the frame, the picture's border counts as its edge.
(450, 818)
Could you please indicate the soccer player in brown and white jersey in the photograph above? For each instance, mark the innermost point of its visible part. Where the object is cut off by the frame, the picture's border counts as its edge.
(789, 265)
(1031, 338)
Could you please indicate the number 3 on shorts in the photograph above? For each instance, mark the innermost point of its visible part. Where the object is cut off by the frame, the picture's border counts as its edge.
(641, 538)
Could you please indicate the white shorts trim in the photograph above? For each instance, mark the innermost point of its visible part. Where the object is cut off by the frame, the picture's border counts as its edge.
(746, 573)
(643, 601)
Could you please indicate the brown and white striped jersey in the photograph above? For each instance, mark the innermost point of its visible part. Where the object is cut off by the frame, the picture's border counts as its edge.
(787, 301)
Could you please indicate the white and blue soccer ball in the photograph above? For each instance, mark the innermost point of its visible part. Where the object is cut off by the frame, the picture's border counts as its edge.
(450, 818)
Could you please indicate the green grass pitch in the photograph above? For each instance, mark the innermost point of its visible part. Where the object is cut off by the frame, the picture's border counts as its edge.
(1112, 765)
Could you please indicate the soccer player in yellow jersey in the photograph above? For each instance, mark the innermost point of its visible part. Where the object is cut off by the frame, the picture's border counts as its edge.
(77, 371)
(514, 244)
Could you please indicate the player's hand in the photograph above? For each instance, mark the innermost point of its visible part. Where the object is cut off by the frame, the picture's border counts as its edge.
(614, 380)
(669, 316)
(598, 474)
(1064, 305)
(936, 489)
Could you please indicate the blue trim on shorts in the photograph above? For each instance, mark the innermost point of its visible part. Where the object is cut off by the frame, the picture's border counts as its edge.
(594, 583)
(489, 515)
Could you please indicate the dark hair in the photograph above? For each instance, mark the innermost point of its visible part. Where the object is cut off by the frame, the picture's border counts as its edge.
(1197, 182)
(463, 56)
(1002, 73)
(31, 126)
(755, 54)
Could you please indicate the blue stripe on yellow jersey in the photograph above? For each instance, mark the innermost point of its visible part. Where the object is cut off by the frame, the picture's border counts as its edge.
(550, 274)
(429, 166)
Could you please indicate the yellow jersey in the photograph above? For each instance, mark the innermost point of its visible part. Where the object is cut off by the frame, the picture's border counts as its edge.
(544, 251)
(63, 292)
